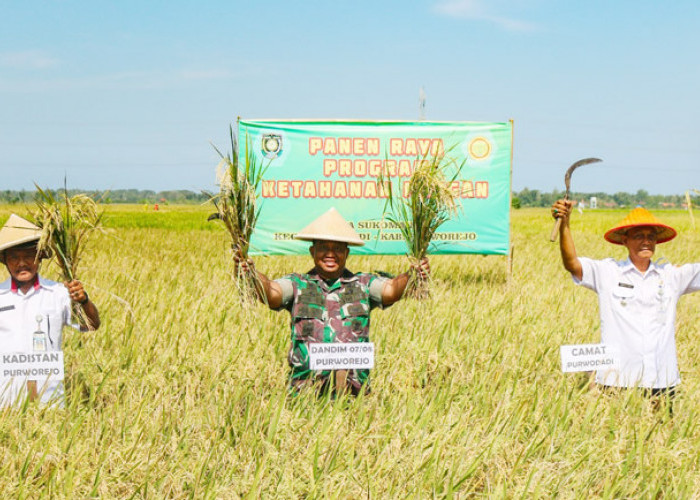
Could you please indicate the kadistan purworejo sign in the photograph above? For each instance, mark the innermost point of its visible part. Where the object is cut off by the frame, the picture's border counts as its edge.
(311, 166)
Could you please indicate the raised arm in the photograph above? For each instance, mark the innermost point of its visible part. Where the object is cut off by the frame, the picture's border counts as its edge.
(394, 288)
(561, 209)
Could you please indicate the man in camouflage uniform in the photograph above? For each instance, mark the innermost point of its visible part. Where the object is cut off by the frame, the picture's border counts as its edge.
(329, 303)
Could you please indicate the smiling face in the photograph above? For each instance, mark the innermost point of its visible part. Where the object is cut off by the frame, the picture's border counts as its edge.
(329, 258)
(641, 243)
(22, 264)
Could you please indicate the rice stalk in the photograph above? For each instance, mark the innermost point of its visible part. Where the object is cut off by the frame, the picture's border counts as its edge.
(66, 223)
(236, 206)
(476, 375)
(427, 203)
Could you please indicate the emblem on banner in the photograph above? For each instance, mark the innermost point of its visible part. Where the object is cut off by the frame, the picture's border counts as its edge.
(271, 146)
(479, 148)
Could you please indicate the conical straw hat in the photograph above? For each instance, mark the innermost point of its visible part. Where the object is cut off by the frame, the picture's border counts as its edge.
(17, 231)
(636, 218)
(331, 226)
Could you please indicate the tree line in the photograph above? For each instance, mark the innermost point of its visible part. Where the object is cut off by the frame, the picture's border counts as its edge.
(145, 196)
(535, 198)
(523, 198)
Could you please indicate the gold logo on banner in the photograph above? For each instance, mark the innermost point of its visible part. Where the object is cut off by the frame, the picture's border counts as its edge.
(271, 146)
(479, 148)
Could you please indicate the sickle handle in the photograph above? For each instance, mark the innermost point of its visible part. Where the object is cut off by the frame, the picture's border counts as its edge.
(557, 223)
(555, 230)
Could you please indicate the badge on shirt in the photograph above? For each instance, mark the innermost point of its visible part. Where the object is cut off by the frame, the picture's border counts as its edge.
(664, 298)
(624, 292)
(7, 308)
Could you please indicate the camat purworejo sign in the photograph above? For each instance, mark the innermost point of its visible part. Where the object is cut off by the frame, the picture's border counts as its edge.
(314, 165)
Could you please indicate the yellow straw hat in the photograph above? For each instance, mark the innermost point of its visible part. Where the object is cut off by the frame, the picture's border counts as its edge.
(331, 226)
(15, 232)
(636, 218)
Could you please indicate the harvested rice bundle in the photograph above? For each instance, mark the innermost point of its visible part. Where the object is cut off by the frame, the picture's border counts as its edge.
(236, 206)
(428, 202)
(67, 223)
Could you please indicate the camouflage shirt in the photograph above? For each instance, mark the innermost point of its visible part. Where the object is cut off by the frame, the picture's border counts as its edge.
(322, 312)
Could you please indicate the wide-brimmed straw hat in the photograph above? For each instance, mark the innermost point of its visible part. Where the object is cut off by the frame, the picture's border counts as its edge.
(637, 218)
(17, 231)
(331, 226)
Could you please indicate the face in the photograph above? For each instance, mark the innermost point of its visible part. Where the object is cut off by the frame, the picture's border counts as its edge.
(641, 242)
(329, 258)
(22, 263)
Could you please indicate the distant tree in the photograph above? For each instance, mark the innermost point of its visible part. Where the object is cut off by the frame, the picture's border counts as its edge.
(623, 199)
(642, 197)
(528, 198)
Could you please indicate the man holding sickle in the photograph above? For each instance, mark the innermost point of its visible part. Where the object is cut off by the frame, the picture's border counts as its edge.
(637, 299)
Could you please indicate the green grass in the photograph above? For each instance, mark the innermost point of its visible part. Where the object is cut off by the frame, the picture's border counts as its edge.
(182, 392)
(167, 217)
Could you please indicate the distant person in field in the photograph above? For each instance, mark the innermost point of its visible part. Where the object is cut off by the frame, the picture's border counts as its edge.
(637, 299)
(329, 303)
(33, 310)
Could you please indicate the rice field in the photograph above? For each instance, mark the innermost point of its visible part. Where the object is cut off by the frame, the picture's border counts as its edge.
(182, 392)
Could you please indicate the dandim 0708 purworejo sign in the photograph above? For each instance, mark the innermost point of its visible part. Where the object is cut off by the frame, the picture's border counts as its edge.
(315, 165)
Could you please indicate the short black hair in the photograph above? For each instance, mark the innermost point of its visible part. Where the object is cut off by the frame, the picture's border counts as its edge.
(28, 244)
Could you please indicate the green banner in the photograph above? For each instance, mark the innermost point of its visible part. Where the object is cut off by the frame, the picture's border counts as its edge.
(315, 165)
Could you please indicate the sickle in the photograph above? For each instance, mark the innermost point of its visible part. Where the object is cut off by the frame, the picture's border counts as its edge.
(567, 183)
(567, 176)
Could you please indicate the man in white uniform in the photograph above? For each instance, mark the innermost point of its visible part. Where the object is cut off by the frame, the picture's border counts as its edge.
(637, 299)
(33, 310)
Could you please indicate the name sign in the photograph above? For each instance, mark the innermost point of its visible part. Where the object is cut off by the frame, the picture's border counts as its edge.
(341, 355)
(38, 366)
(588, 357)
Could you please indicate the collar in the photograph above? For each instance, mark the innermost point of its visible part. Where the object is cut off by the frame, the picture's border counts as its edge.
(14, 287)
(628, 266)
(344, 278)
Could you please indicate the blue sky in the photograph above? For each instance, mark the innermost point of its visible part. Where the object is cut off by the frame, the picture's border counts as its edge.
(129, 94)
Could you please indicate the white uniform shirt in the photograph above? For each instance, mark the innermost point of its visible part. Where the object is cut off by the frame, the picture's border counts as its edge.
(19, 314)
(638, 317)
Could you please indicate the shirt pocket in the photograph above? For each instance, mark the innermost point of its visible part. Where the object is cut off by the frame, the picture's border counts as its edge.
(8, 318)
(623, 295)
(355, 318)
(52, 325)
(663, 298)
(307, 322)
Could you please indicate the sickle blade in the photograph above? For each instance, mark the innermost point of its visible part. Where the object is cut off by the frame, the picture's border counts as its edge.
(567, 176)
(567, 181)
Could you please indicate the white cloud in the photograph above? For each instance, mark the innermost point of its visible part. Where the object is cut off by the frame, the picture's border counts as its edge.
(469, 9)
(27, 59)
(477, 10)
